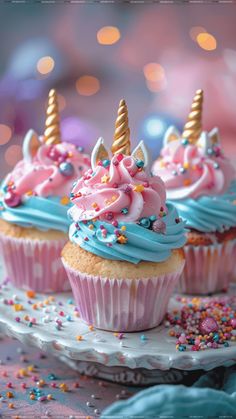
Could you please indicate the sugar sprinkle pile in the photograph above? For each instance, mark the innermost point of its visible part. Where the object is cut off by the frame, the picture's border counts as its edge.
(203, 323)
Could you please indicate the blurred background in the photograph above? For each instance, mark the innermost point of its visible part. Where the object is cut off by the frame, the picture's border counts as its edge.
(153, 55)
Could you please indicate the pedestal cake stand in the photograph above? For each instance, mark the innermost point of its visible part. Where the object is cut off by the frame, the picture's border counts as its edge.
(52, 324)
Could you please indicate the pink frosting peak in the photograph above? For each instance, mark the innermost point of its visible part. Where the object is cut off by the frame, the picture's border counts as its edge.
(192, 170)
(50, 171)
(117, 190)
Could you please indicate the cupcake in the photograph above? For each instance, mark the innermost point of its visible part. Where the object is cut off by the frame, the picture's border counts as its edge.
(200, 182)
(34, 202)
(124, 255)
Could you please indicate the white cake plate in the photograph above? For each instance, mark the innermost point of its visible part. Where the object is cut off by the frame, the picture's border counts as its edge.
(138, 358)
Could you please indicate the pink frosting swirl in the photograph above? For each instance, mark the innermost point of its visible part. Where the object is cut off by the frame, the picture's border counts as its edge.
(121, 191)
(50, 172)
(189, 172)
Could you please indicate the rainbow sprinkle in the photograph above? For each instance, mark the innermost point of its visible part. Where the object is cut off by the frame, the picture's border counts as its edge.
(203, 323)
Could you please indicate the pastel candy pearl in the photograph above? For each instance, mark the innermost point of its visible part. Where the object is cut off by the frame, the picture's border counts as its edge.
(66, 169)
(233, 323)
(208, 325)
(12, 199)
(54, 154)
(139, 163)
(159, 226)
(106, 163)
(145, 222)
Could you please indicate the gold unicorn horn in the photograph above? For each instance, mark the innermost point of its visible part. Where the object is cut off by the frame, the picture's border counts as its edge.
(193, 126)
(121, 141)
(52, 134)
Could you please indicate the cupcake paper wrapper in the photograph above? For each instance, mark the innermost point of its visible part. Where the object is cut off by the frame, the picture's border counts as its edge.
(34, 264)
(208, 269)
(124, 305)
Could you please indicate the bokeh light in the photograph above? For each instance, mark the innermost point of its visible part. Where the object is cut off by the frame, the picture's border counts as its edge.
(154, 72)
(13, 154)
(152, 130)
(195, 31)
(206, 41)
(108, 35)
(87, 85)
(155, 77)
(155, 127)
(45, 65)
(5, 134)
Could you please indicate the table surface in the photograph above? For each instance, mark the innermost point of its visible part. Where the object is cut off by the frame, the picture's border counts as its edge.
(86, 397)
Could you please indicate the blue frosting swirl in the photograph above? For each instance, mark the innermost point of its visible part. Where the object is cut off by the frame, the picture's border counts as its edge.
(142, 244)
(42, 213)
(209, 213)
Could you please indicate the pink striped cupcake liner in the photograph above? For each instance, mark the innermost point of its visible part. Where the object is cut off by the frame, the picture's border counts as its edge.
(125, 305)
(34, 264)
(208, 269)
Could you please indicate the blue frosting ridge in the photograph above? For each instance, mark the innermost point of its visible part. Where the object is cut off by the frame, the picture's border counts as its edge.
(42, 213)
(142, 243)
(209, 213)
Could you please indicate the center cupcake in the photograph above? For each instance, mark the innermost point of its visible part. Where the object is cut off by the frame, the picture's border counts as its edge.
(124, 256)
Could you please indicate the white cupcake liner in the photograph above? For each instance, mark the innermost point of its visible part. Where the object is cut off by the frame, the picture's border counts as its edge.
(208, 269)
(124, 305)
(34, 264)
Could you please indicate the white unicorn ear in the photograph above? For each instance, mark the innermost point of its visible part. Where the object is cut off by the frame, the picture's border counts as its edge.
(141, 153)
(31, 144)
(99, 153)
(203, 141)
(214, 136)
(172, 134)
(207, 140)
